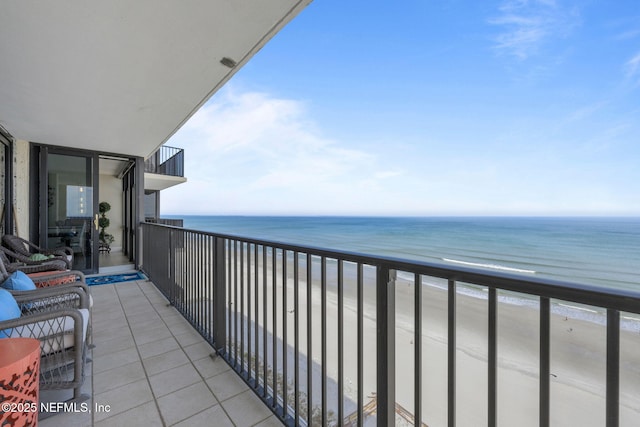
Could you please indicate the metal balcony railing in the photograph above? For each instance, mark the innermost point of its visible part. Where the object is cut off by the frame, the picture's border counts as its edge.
(166, 161)
(175, 222)
(295, 323)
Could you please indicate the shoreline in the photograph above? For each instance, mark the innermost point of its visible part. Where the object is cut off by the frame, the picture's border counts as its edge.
(578, 352)
(628, 321)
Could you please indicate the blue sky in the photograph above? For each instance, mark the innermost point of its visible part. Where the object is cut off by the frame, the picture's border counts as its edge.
(426, 108)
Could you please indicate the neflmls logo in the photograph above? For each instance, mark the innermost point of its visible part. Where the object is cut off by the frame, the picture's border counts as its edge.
(57, 407)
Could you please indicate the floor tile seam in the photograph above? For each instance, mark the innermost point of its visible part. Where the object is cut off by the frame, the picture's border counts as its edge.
(120, 413)
(109, 351)
(181, 388)
(148, 333)
(265, 419)
(198, 413)
(111, 368)
(130, 380)
(271, 412)
(146, 374)
(213, 356)
(192, 362)
(129, 410)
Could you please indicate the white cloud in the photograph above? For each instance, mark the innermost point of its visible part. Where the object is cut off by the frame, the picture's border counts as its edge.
(253, 151)
(528, 24)
(633, 66)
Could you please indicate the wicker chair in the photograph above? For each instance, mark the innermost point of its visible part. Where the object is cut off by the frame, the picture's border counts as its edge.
(15, 256)
(25, 249)
(29, 266)
(59, 318)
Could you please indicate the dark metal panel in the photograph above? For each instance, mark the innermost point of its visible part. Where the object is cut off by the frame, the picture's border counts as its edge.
(285, 374)
(417, 356)
(323, 346)
(340, 340)
(219, 295)
(360, 321)
(309, 343)
(451, 372)
(613, 368)
(492, 392)
(386, 345)
(545, 361)
(296, 333)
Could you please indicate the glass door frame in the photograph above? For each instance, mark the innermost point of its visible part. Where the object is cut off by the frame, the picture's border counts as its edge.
(6, 144)
(43, 183)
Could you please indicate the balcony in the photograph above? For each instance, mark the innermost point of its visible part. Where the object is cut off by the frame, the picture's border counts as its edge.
(150, 367)
(308, 336)
(164, 169)
(327, 338)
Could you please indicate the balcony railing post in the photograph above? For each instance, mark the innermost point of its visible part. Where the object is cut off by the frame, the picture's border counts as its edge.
(219, 294)
(613, 368)
(172, 282)
(386, 331)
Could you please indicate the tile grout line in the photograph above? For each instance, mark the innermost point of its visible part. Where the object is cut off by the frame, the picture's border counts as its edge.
(153, 395)
(191, 362)
(182, 348)
(119, 301)
(248, 389)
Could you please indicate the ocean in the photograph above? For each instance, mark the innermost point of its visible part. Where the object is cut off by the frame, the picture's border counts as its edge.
(598, 251)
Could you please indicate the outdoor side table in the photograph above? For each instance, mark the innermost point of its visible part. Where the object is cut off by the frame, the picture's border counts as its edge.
(19, 376)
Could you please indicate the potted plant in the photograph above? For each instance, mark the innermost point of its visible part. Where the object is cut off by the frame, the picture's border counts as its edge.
(105, 238)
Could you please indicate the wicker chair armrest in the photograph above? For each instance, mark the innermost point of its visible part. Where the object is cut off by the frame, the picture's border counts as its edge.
(53, 322)
(61, 250)
(59, 265)
(42, 317)
(74, 295)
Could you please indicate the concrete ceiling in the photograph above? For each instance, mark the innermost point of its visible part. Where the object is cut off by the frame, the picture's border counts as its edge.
(122, 76)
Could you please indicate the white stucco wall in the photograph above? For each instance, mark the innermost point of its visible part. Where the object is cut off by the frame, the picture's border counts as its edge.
(21, 187)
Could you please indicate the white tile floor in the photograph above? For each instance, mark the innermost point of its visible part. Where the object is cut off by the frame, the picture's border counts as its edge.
(152, 369)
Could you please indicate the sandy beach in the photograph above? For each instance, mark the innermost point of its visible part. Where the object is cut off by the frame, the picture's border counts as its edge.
(577, 351)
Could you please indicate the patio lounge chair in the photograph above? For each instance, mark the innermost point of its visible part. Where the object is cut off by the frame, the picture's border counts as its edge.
(59, 318)
(67, 279)
(29, 266)
(26, 249)
(31, 259)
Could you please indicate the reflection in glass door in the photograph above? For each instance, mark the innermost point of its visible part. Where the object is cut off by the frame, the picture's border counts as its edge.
(71, 206)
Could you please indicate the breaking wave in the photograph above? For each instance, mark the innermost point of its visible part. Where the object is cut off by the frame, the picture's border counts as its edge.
(492, 266)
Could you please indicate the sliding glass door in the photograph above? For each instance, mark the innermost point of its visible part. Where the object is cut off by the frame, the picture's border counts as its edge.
(69, 204)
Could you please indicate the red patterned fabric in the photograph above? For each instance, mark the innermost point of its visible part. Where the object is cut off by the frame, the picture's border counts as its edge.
(37, 278)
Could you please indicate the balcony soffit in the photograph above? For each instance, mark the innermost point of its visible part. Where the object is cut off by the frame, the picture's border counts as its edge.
(158, 182)
(121, 76)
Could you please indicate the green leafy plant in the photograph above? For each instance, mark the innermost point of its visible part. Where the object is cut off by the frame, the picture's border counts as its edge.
(103, 223)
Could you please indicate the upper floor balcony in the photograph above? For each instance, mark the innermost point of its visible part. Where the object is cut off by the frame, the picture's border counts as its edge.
(164, 168)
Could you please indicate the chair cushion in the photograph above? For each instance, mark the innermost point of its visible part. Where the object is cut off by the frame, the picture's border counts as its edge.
(71, 278)
(54, 335)
(9, 310)
(40, 257)
(19, 281)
